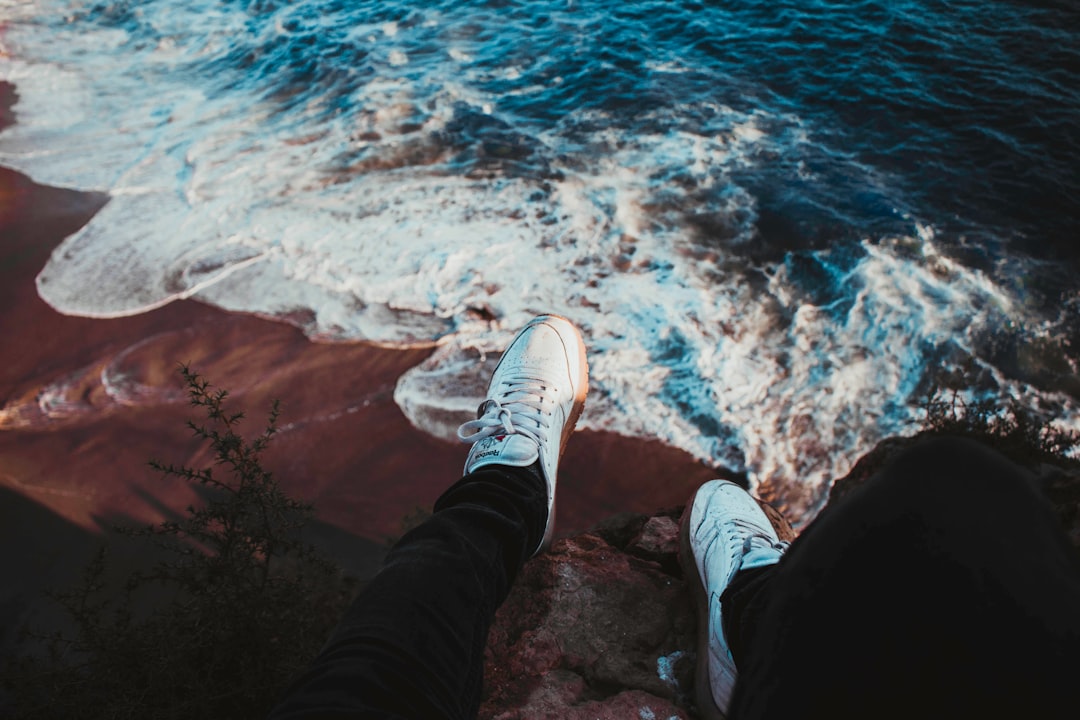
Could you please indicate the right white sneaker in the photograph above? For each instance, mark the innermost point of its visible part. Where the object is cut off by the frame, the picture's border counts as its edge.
(724, 531)
(533, 402)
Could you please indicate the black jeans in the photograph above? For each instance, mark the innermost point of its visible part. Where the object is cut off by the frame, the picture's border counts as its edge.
(944, 587)
(412, 643)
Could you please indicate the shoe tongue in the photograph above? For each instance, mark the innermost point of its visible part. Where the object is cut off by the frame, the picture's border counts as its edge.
(516, 450)
(760, 553)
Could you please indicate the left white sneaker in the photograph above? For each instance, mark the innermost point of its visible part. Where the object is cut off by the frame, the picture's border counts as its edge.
(533, 402)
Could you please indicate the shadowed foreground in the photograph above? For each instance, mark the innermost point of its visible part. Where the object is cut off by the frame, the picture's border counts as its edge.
(603, 626)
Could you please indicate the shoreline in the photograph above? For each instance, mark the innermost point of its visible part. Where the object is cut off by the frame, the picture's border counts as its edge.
(86, 403)
(117, 378)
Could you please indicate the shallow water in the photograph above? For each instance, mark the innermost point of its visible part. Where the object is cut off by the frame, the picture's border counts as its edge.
(776, 222)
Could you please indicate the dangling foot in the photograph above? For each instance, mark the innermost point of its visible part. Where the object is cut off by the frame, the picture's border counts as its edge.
(534, 399)
(724, 531)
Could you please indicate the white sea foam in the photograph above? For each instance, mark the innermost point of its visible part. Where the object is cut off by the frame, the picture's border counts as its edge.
(359, 225)
(757, 380)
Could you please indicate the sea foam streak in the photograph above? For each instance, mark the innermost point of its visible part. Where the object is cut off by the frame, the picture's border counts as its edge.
(402, 207)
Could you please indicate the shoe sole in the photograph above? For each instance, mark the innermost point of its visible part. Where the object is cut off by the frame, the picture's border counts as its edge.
(706, 706)
(582, 385)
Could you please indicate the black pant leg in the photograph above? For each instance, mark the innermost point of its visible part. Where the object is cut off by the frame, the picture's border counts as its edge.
(412, 643)
(944, 587)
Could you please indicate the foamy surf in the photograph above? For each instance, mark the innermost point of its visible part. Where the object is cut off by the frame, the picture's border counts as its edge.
(436, 177)
(749, 375)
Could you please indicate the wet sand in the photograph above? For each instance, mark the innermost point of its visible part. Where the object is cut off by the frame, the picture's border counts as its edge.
(85, 403)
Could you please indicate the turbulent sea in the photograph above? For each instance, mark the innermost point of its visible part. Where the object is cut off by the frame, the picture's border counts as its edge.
(777, 223)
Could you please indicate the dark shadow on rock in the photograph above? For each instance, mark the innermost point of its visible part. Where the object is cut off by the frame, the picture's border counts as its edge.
(1058, 482)
(41, 550)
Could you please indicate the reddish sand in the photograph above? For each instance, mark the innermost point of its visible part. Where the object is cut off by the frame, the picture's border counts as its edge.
(73, 458)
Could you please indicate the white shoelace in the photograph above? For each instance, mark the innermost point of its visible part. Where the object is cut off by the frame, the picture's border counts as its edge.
(753, 539)
(518, 409)
(756, 538)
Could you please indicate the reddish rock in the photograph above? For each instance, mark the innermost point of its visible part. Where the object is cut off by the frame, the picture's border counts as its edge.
(658, 537)
(591, 630)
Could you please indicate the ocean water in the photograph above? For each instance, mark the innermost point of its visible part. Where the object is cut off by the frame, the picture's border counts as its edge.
(777, 223)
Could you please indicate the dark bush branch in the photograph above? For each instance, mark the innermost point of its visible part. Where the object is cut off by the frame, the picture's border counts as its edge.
(247, 601)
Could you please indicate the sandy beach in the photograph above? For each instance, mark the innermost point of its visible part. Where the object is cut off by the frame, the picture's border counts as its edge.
(85, 403)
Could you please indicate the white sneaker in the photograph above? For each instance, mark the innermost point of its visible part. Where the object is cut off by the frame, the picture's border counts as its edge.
(724, 531)
(533, 402)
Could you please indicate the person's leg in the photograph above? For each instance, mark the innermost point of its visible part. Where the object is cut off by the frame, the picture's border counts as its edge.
(412, 644)
(743, 602)
(942, 588)
(725, 538)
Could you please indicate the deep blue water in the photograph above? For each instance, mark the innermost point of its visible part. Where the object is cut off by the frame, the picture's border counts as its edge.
(961, 114)
(965, 114)
(808, 163)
